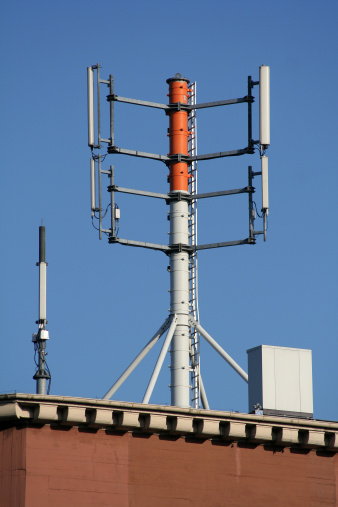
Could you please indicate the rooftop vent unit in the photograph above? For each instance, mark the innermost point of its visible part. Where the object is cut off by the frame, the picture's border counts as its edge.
(280, 381)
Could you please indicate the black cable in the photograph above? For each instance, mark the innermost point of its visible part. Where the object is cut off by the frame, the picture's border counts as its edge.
(257, 147)
(106, 210)
(94, 225)
(260, 216)
(96, 157)
(50, 377)
(35, 352)
(102, 216)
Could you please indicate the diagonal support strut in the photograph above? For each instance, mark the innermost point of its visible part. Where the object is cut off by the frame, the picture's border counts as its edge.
(219, 349)
(138, 358)
(160, 360)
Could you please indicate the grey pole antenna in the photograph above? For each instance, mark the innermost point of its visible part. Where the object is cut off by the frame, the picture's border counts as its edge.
(42, 373)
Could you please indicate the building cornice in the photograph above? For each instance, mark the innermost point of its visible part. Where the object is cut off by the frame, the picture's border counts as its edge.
(30, 409)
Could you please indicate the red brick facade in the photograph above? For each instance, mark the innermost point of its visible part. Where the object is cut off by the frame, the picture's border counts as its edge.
(53, 466)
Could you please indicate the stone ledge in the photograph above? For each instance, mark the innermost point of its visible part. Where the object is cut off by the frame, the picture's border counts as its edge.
(119, 416)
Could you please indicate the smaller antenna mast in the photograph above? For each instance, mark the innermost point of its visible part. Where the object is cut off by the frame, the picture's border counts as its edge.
(42, 373)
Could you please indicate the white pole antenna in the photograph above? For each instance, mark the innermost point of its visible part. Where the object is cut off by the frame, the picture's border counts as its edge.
(264, 106)
(90, 89)
(92, 186)
(265, 192)
(265, 188)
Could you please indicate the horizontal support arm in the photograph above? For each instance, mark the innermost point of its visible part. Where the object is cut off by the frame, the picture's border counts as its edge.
(221, 154)
(133, 153)
(157, 105)
(142, 244)
(225, 192)
(178, 105)
(157, 195)
(180, 247)
(179, 157)
(247, 241)
(222, 103)
(115, 188)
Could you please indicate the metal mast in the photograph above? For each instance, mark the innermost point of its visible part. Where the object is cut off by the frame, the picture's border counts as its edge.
(42, 373)
(179, 235)
(182, 326)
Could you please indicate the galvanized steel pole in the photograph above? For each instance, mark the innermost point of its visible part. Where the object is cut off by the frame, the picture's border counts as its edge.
(42, 374)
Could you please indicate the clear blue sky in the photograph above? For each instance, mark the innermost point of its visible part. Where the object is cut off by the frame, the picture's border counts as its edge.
(105, 301)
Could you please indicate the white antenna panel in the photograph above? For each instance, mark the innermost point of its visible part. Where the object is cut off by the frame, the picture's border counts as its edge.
(264, 105)
(265, 187)
(92, 184)
(42, 291)
(90, 88)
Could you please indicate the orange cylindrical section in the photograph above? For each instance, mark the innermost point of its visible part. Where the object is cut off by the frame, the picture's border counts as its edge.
(178, 133)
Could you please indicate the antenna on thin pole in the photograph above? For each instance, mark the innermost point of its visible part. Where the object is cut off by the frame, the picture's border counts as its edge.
(42, 373)
(264, 106)
(265, 193)
(90, 81)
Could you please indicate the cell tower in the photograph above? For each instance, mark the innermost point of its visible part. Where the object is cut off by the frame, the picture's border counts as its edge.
(182, 326)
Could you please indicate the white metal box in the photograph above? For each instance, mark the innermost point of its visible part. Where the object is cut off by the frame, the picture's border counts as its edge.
(280, 380)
